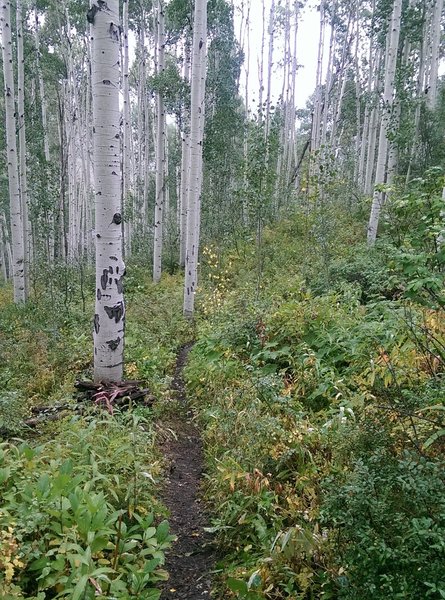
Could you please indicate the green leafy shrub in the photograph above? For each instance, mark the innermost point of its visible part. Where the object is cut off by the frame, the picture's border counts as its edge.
(387, 516)
(77, 516)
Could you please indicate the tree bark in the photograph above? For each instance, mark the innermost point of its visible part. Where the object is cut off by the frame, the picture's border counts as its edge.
(160, 151)
(390, 71)
(109, 315)
(196, 142)
(18, 246)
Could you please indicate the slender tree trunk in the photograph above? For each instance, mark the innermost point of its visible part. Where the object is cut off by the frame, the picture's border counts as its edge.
(269, 67)
(185, 163)
(109, 315)
(160, 151)
(261, 64)
(22, 143)
(435, 53)
(390, 71)
(126, 132)
(43, 105)
(196, 129)
(18, 246)
(316, 119)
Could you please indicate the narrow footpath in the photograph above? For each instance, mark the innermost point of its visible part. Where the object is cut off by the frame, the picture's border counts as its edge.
(191, 559)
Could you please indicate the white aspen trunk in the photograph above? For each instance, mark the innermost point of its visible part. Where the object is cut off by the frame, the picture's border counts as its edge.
(18, 245)
(435, 54)
(390, 71)
(7, 246)
(22, 143)
(292, 158)
(420, 92)
(341, 84)
(167, 214)
(160, 151)
(328, 85)
(359, 134)
(198, 79)
(3, 255)
(185, 165)
(87, 158)
(43, 106)
(315, 133)
(141, 126)
(126, 131)
(261, 65)
(373, 126)
(109, 315)
(269, 67)
(245, 205)
(367, 117)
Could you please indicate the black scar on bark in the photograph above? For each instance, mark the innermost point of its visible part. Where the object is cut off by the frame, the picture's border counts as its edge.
(120, 285)
(115, 312)
(114, 344)
(104, 279)
(117, 218)
(115, 258)
(114, 32)
(99, 294)
(96, 323)
(92, 13)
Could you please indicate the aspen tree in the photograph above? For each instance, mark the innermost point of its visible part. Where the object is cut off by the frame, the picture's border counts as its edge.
(16, 219)
(198, 79)
(390, 71)
(316, 117)
(269, 67)
(261, 64)
(109, 315)
(160, 149)
(185, 163)
(126, 130)
(22, 142)
(435, 54)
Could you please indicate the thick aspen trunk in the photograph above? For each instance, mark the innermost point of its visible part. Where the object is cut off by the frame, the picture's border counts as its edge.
(18, 246)
(109, 315)
(196, 130)
(160, 151)
(390, 71)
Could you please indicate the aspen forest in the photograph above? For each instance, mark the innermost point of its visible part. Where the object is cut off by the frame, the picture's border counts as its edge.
(222, 293)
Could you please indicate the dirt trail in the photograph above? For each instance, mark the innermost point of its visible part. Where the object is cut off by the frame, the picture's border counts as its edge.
(191, 558)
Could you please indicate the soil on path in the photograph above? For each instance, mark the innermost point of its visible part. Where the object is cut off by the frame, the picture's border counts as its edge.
(191, 559)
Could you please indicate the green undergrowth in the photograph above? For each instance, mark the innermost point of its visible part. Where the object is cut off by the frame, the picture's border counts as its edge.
(318, 377)
(80, 516)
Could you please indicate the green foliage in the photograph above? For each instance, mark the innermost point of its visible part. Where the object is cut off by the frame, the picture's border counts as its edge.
(387, 516)
(11, 413)
(415, 222)
(79, 515)
(73, 518)
(323, 420)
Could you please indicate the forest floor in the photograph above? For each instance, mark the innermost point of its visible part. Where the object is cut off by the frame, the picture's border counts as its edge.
(191, 558)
